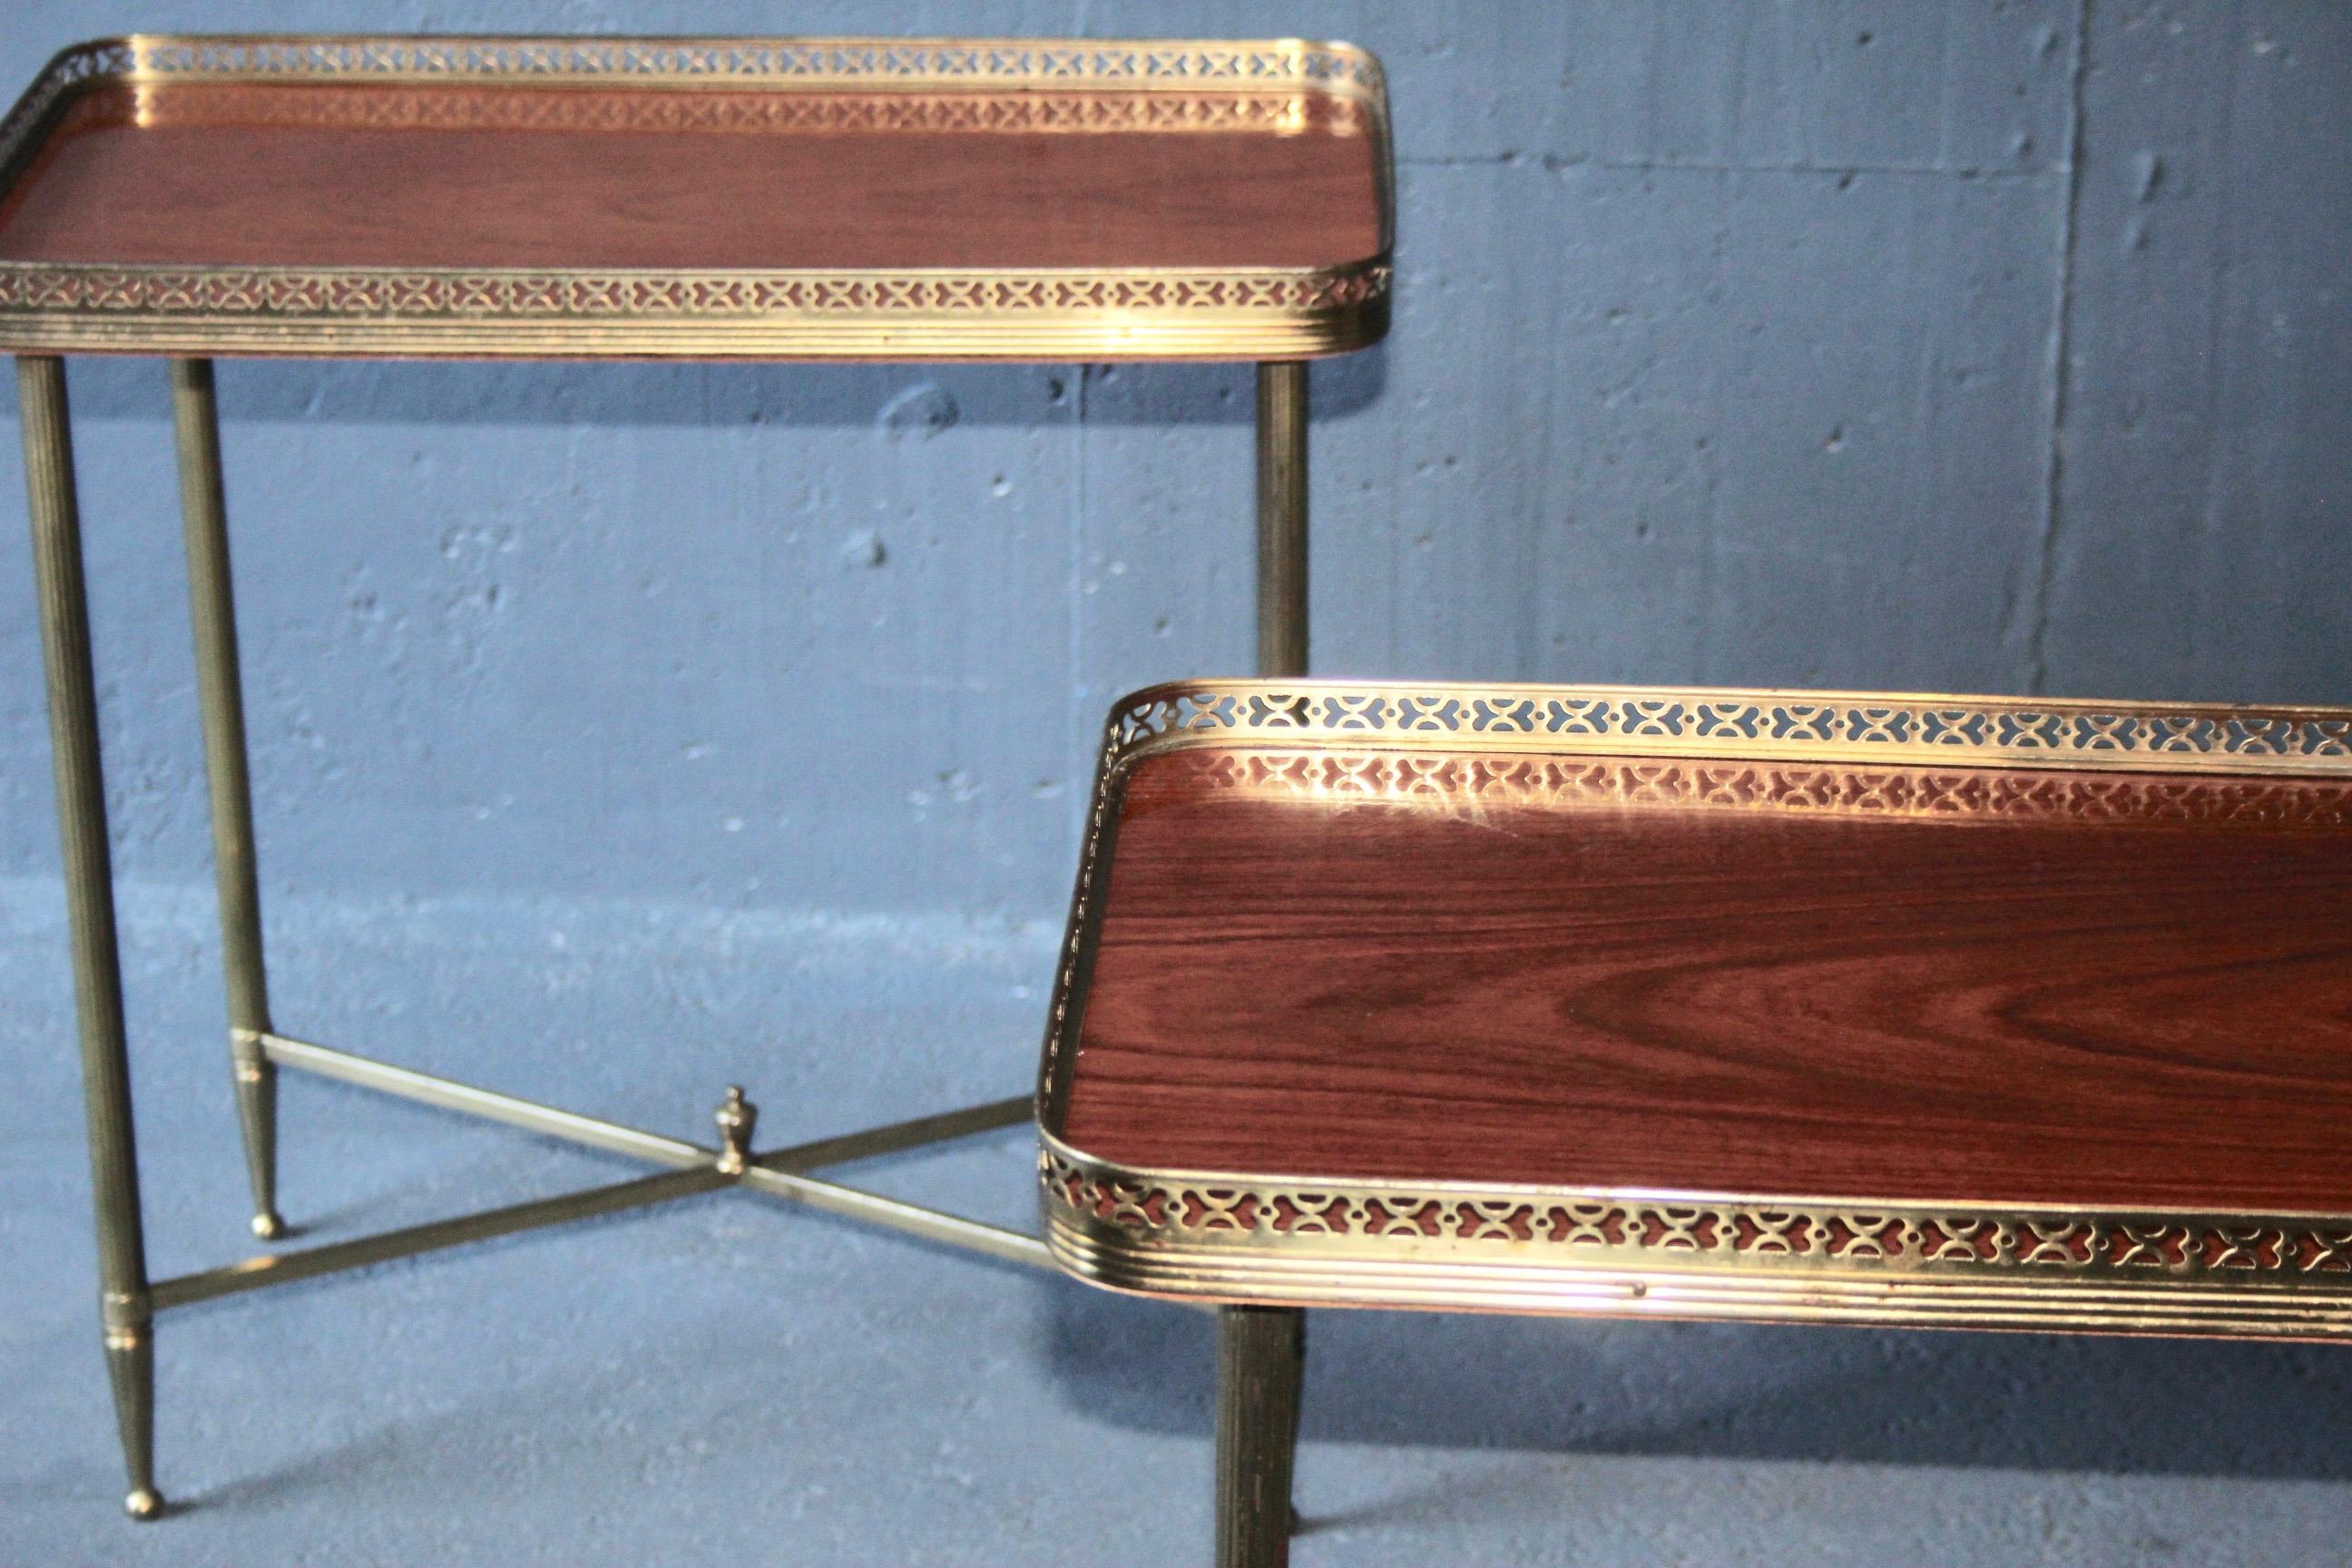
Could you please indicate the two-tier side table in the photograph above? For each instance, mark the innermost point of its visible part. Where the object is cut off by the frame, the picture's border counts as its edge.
(1820, 1008)
(618, 199)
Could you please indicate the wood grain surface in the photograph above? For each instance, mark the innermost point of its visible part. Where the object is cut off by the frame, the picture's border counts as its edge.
(2120, 993)
(393, 175)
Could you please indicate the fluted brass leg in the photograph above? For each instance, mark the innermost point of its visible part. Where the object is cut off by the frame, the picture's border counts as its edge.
(212, 608)
(1282, 518)
(124, 1312)
(1260, 1352)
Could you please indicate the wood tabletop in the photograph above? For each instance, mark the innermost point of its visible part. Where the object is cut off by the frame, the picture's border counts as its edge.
(922, 200)
(2114, 1000)
(1844, 1007)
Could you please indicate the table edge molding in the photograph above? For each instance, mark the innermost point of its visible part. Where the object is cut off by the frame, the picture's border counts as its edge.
(820, 63)
(1961, 1264)
(1753, 725)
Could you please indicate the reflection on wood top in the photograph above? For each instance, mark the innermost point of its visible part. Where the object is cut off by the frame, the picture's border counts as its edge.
(375, 174)
(1905, 983)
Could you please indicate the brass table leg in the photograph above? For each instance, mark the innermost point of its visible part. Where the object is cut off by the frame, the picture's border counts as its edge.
(1260, 1351)
(123, 1308)
(1282, 518)
(212, 608)
(1253, 1525)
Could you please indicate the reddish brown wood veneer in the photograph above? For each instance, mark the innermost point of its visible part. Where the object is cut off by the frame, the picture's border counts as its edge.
(2106, 1010)
(454, 176)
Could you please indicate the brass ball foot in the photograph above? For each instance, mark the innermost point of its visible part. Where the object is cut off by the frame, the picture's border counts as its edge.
(144, 1503)
(268, 1226)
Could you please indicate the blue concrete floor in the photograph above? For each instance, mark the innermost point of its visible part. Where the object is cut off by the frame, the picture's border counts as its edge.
(728, 1381)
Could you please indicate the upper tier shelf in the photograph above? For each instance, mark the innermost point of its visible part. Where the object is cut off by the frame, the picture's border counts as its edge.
(799, 199)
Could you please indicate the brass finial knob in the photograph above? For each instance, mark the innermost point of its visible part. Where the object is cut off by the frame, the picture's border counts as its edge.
(736, 1118)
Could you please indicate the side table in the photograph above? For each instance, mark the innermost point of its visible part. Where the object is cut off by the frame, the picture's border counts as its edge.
(1817, 1007)
(896, 200)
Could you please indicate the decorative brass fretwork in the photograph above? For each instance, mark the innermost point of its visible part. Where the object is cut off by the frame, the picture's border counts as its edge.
(1470, 784)
(294, 294)
(1697, 1231)
(745, 111)
(1812, 726)
(728, 62)
(1696, 1256)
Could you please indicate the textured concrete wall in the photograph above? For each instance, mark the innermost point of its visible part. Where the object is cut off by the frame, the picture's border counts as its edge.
(1983, 346)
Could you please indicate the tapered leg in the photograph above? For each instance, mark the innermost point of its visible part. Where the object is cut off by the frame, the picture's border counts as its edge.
(220, 693)
(1282, 518)
(131, 1371)
(1260, 1354)
(89, 910)
(1262, 1350)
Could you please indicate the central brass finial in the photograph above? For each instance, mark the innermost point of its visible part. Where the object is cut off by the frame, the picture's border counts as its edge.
(736, 1118)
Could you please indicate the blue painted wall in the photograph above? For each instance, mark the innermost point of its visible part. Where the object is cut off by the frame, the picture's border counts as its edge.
(1950, 347)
